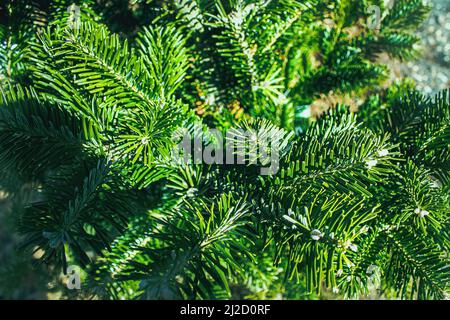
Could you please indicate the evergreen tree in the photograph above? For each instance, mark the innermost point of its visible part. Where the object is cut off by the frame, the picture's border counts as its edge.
(94, 93)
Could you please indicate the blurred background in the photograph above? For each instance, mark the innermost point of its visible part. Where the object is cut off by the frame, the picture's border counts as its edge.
(432, 71)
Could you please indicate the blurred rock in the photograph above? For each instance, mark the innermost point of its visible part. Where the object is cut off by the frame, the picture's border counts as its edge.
(432, 70)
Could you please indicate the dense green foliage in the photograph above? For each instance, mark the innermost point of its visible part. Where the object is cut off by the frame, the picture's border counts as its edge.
(91, 98)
